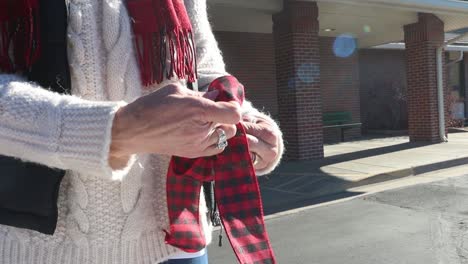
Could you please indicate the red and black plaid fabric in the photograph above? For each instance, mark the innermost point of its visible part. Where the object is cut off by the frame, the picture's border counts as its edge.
(236, 192)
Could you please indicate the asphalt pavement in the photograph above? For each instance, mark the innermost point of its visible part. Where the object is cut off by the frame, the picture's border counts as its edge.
(376, 200)
(425, 222)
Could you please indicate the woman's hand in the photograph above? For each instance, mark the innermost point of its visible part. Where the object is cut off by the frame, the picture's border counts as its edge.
(263, 142)
(172, 121)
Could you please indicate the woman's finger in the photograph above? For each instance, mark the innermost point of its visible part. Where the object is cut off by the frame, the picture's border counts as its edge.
(212, 151)
(263, 131)
(263, 150)
(220, 112)
(213, 138)
(210, 95)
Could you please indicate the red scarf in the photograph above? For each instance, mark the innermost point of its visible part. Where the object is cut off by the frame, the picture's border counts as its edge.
(162, 29)
(19, 34)
(163, 40)
(236, 191)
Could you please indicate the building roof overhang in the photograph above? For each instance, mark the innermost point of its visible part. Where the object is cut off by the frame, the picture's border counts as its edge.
(371, 22)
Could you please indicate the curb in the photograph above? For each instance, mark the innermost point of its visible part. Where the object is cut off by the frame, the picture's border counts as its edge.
(328, 191)
(456, 165)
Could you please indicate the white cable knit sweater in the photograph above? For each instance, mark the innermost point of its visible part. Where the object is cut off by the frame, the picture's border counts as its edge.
(105, 216)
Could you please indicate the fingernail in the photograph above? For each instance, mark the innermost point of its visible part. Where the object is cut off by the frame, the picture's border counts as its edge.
(211, 95)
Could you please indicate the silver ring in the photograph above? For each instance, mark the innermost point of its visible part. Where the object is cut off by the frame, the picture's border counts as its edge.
(253, 156)
(222, 139)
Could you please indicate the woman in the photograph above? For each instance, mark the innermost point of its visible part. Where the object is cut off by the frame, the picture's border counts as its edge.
(114, 137)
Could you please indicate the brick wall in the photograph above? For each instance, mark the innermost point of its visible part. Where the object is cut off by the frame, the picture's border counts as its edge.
(383, 89)
(465, 79)
(422, 39)
(339, 83)
(250, 57)
(298, 79)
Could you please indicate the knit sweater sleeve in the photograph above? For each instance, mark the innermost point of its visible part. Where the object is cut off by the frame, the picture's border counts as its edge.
(59, 131)
(211, 65)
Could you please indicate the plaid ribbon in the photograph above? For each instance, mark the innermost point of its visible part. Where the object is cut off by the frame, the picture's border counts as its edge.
(236, 192)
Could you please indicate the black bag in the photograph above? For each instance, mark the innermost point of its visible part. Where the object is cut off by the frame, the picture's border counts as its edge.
(29, 192)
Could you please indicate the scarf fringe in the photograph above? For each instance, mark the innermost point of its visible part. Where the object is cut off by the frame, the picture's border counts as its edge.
(20, 35)
(166, 55)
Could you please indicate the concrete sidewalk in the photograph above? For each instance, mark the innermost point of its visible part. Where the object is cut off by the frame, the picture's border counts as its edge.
(349, 165)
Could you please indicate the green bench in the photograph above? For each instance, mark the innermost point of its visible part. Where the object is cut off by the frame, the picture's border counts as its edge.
(340, 120)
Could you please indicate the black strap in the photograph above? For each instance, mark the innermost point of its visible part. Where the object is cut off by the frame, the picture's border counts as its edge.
(209, 192)
(208, 189)
(29, 192)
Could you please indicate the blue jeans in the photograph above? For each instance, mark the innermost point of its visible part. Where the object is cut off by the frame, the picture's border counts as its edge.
(199, 260)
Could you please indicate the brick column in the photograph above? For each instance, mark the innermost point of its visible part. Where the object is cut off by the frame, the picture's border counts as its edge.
(465, 77)
(422, 40)
(298, 79)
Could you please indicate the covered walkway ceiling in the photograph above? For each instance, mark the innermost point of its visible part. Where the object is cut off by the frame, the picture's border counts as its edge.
(372, 22)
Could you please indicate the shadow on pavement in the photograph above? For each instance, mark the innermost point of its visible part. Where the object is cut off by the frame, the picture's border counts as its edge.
(277, 205)
(299, 184)
(371, 152)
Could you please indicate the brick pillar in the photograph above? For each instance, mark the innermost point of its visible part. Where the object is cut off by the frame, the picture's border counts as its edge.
(465, 77)
(422, 40)
(298, 79)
